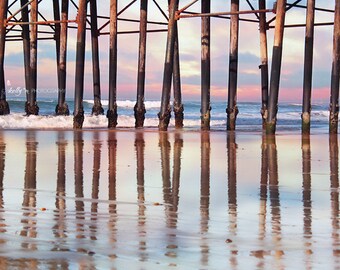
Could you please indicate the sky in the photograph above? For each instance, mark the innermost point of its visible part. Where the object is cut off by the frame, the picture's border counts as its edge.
(190, 53)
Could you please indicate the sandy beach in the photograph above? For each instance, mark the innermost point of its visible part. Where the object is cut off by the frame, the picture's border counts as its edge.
(143, 199)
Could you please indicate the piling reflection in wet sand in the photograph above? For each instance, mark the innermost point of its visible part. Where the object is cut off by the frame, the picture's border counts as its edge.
(60, 228)
(29, 221)
(141, 226)
(97, 145)
(112, 174)
(205, 196)
(274, 196)
(3, 261)
(307, 199)
(334, 186)
(269, 183)
(2, 170)
(204, 232)
(78, 183)
(261, 252)
(232, 196)
(170, 189)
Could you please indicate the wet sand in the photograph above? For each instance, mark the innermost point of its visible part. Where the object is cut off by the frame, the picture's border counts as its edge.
(130, 199)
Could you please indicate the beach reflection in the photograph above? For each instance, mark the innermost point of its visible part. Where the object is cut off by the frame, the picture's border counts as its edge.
(334, 186)
(153, 200)
(232, 197)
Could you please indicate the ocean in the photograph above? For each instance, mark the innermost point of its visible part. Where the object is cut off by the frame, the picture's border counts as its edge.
(248, 119)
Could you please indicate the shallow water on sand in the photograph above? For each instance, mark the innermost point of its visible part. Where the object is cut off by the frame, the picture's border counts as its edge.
(149, 200)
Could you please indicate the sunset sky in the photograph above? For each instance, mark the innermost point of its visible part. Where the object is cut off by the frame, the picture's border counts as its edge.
(190, 51)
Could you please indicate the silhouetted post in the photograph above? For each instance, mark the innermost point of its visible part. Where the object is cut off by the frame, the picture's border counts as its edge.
(140, 106)
(276, 67)
(97, 108)
(4, 108)
(205, 67)
(178, 107)
(232, 109)
(308, 67)
(31, 104)
(62, 108)
(112, 110)
(26, 45)
(56, 15)
(165, 111)
(264, 62)
(78, 114)
(334, 100)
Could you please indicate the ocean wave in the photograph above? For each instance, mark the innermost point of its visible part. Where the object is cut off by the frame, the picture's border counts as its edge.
(128, 103)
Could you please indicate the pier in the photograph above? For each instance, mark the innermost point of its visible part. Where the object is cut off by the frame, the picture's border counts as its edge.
(22, 21)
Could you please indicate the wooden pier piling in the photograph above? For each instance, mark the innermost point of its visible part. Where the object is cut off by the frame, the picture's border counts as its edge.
(97, 108)
(308, 68)
(334, 99)
(140, 106)
(232, 109)
(26, 45)
(112, 110)
(205, 66)
(78, 115)
(178, 107)
(62, 107)
(264, 62)
(31, 32)
(31, 104)
(276, 67)
(4, 108)
(165, 110)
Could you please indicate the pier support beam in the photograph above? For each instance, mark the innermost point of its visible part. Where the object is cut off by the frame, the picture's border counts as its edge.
(276, 67)
(26, 44)
(62, 107)
(78, 115)
(177, 105)
(232, 109)
(112, 110)
(334, 99)
(4, 108)
(140, 106)
(308, 68)
(205, 67)
(31, 107)
(264, 62)
(165, 111)
(97, 106)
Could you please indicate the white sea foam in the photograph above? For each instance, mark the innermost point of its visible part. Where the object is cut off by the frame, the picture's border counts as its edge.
(20, 121)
